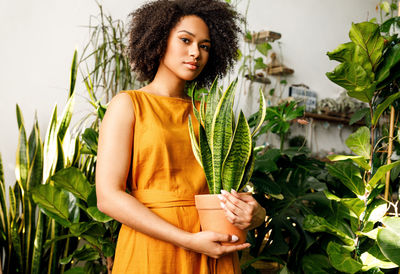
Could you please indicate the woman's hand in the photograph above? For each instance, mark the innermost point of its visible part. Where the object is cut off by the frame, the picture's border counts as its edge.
(242, 210)
(209, 243)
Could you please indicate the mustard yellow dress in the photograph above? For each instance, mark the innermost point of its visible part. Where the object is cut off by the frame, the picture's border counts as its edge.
(165, 176)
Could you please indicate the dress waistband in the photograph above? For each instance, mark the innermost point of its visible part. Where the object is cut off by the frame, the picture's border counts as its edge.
(152, 198)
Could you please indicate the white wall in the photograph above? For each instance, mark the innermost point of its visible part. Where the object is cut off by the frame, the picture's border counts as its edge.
(37, 40)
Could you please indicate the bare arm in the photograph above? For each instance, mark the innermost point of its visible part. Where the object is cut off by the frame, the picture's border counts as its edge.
(113, 163)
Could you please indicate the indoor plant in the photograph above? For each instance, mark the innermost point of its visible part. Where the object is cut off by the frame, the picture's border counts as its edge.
(224, 150)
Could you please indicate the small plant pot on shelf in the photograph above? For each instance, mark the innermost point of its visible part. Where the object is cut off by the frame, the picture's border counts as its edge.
(212, 217)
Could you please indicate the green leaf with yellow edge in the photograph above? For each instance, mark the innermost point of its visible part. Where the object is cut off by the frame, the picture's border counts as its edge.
(341, 259)
(359, 142)
(383, 106)
(194, 143)
(354, 204)
(206, 159)
(374, 258)
(388, 238)
(240, 150)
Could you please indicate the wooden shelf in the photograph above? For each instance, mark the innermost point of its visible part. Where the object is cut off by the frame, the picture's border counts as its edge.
(330, 118)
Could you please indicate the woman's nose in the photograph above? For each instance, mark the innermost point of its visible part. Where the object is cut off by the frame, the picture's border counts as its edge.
(194, 51)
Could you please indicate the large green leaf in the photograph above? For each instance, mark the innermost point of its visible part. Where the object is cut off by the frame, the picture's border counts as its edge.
(359, 142)
(263, 48)
(38, 244)
(374, 258)
(54, 202)
(22, 159)
(316, 264)
(383, 106)
(367, 36)
(35, 174)
(375, 211)
(354, 204)
(194, 143)
(349, 175)
(221, 132)
(212, 103)
(380, 173)
(341, 259)
(74, 181)
(359, 160)
(343, 53)
(91, 138)
(318, 224)
(239, 154)
(388, 239)
(391, 58)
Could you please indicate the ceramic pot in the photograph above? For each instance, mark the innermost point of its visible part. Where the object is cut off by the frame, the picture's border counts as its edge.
(212, 217)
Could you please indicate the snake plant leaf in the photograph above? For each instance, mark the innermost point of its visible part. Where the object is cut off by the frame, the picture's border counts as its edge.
(54, 202)
(261, 114)
(358, 142)
(234, 165)
(38, 244)
(74, 181)
(314, 224)
(349, 175)
(35, 173)
(1, 170)
(390, 59)
(343, 53)
(388, 238)
(66, 118)
(367, 36)
(383, 106)
(50, 147)
(195, 110)
(60, 164)
(221, 132)
(74, 72)
(22, 159)
(193, 141)
(341, 259)
(212, 103)
(248, 170)
(202, 112)
(206, 159)
(380, 173)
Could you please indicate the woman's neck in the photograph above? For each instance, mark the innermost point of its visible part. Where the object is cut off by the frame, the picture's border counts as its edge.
(167, 86)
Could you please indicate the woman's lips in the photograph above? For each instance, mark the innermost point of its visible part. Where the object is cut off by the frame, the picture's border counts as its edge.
(192, 65)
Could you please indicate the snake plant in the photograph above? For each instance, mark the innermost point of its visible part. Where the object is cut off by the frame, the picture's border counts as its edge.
(225, 147)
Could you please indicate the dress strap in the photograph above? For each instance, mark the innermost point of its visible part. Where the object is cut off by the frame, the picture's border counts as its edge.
(153, 198)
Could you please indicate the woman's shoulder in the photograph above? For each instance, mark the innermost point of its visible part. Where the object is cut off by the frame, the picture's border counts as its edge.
(120, 106)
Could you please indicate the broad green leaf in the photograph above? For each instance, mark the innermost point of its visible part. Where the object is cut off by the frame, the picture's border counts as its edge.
(359, 160)
(391, 58)
(86, 253)
(370, 234)
(316, 264)
(380, 173)
(212, 103)
(375, 211)
(91, 138)
(341, 259)
(358, 115)
(388, 239)
(263, 48)
(354, 79)
(383, 106)
(374, 258)
(54, 202)
(349, 175)
(343, 53)
(74, 181)
(248, 171)
(359, 142)
(259, 63)
(319, 224)
(354, 204)
(76, 270)
(238, 156)
(367, 36)
(98, 215)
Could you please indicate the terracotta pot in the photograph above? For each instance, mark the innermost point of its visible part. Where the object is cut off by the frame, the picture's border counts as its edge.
(212, 217)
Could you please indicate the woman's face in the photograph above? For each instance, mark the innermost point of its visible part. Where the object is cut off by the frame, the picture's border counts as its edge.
(187, 49)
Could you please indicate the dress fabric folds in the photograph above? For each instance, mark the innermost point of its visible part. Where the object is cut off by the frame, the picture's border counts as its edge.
(165, 176)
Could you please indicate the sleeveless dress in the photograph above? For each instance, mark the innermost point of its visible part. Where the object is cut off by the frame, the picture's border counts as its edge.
(165, 176)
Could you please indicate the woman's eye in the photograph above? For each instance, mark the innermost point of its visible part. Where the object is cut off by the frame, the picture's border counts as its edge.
(205, 47)
(185, 40)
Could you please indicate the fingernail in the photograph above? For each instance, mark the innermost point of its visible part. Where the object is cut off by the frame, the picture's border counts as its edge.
(220, 197)
(234, 238)
(222, 205)
(223, 191)
(233, 191)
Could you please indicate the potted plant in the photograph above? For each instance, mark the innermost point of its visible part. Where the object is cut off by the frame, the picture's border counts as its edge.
(224, 150)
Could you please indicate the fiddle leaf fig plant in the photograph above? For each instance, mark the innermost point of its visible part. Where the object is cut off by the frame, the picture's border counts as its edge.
(225, 147)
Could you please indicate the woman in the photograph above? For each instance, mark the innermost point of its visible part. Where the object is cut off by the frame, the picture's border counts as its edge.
(144, 144)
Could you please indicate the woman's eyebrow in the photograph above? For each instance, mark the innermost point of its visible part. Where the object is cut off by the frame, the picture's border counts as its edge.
(192, 34)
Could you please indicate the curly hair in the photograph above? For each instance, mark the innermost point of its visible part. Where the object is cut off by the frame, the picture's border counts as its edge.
(151, 24)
